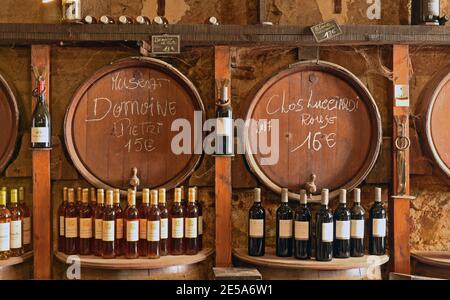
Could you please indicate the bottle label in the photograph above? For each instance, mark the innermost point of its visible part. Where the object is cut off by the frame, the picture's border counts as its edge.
(16, 234)
(108, 231)
(302, 230)
(285, 228)
(224, 126)
(327, 232)
(200, 225)
(98, 229)
(433, 7)
(342, 230)
(379, 227)
(40, 135)
(71, 227)
(153, 231)
(133, 231)
(5, 231)
(191, 227)
(177, 228)
(142, 229)
(357, 229)
(164, 228)
(119, 229)
(61, 226)
(27, 231)
(85, 228)
(256, 229)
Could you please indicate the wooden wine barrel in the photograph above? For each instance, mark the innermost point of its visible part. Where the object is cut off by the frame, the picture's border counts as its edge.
(121, 118)
(329, 128)
(435, 111)
(272, 267)
(435, 264)
(9, 122)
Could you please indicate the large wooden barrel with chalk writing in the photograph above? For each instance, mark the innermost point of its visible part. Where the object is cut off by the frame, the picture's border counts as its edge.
(135, 113)
(313, 125)
(434, 110)
(9, 122)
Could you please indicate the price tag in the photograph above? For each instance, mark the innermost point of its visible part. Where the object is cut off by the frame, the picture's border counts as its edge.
(326, 30)
(165, 44)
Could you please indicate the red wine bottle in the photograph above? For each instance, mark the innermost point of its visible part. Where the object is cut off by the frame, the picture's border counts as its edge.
(40, 124)
(357, 226)
(224, 124)
(302, 228)
(377, 226)
(256, 226)
(284, 227)
(342, 227)
(324, 230)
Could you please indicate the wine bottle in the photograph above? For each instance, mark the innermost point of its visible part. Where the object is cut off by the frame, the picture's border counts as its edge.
(107, 20)
(61, 212)
(79, 199)
(132, 226)
(85, 224)
(89, 20)
(160, 20)
(176, 222)
(16, 225)
(143, 215)
(357, 226)
(153, 226)
(302, 228)
(41, 125)
(200, 223)
(377, 226)
(164, 220)
(71, 224)
(108, 227)
(6, 197)
(284, 226)
(26, 220)
(125, 20)
(5, 227)
(93, 198)
(342, 227)
(324, 230)
(143, 20)
(256, 226)
(224, 124)
(119, 244)
(191, 223)
(98, 222)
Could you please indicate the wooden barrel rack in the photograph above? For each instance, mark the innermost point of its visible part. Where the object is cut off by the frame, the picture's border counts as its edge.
(435, 264)
(180, 267)
(329, 129)
(273, 267)
(16, 268)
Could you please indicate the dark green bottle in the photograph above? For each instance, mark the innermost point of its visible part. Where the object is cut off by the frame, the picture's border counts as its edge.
(41, 125)
(285, 217)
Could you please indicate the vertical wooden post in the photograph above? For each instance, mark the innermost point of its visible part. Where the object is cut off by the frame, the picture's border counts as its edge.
(40, 58)
(399, 205)
(223, 174)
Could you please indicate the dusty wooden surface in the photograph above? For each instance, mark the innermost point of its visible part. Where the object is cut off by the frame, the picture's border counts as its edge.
(17, 268)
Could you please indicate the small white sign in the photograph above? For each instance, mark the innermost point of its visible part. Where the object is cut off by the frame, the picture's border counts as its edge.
(402, 95)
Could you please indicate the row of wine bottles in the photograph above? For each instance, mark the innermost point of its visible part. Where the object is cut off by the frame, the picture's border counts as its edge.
(103, 228)
(15, 224)
(338, 235)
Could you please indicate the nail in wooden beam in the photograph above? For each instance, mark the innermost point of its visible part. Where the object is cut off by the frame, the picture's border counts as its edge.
(40, 58)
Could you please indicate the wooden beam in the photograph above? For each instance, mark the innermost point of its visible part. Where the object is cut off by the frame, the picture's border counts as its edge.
(204, 34)
(399, 204)
(40, 58)
(223, 174)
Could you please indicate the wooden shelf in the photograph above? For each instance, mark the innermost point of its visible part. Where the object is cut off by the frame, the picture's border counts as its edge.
(202, 34)
(16, 260)
(121, 263)
(271, 260)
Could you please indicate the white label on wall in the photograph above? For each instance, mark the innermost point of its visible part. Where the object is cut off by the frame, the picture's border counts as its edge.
(191, 227)
(402, 95)
(224, 126)
(98, 229)
(164, 228)
(5, 231)
(327, 232)
(39, 135)
(108, 231)
(342, 230)
(256, 229)
(142, 229)
(27, 231)
(200, 225)
(85, 228)
(177, 228)
(119, 228)
(61, 226)
(71, 227)
(285, 228)
(153, 231)
(379, 227)
(132, 231)
(301, 230)
(357, 229)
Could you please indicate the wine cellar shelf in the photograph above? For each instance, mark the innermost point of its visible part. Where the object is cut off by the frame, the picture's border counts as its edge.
(95, 262)
(15, 260)
(195, 34)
